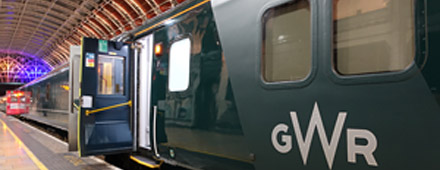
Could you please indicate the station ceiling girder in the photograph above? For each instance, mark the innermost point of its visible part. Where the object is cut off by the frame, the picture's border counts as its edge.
(46, 28)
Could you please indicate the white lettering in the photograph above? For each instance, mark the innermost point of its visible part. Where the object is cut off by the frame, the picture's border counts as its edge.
(316, 122)
(366, 150)
(287, 139)
(304, 142)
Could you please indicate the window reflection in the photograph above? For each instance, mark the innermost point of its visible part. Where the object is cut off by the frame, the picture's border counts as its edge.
(286, 44)
(372, 36)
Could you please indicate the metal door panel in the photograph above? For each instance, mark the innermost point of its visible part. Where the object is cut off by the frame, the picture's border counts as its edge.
(105, 126)
(75, 60)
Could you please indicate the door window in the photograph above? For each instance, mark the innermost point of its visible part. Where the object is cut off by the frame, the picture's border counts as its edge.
(178, 79)
(111, 75)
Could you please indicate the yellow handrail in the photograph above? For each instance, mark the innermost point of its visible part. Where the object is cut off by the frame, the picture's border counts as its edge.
(76, 106)
(88, 112)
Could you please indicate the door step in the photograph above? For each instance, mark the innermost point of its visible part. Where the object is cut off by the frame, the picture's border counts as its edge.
(148, 162)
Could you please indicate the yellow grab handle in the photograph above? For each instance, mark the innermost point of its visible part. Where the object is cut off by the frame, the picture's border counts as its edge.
(76, 106)
(88, 112)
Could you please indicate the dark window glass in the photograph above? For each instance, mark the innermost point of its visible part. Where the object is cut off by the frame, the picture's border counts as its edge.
(372, 36)
(287, 42)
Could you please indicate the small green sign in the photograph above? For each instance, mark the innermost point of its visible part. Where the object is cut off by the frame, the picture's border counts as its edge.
(103, 46)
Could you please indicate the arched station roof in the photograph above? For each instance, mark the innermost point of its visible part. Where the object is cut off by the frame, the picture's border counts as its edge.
(45, 29)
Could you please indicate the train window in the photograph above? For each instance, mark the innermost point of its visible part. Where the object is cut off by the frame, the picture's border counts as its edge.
(287, 42)
(110, 75)
(373, 36)
(13, 99)
(178, 79)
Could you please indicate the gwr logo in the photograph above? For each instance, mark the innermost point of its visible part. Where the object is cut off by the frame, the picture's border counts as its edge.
(329, 148)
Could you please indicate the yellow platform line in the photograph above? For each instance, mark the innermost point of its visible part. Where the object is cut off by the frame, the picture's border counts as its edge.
(28, 152)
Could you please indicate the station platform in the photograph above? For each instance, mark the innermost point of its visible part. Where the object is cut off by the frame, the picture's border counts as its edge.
(23, 147)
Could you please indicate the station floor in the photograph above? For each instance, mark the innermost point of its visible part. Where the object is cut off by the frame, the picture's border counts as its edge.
(23, 147)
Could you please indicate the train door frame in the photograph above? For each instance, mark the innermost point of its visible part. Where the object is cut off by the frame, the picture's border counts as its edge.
(75, 60)
(142, 113)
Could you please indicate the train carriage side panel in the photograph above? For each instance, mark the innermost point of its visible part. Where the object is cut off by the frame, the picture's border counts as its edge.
(198, 125)
(383, 119)
(50, 98)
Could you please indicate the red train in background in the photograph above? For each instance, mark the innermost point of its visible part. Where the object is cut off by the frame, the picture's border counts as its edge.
(16, 102)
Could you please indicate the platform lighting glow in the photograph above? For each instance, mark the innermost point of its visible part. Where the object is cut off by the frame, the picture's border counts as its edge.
(65, 87)
(16, 68)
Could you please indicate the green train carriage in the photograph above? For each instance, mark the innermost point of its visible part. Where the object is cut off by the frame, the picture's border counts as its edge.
(268, 84)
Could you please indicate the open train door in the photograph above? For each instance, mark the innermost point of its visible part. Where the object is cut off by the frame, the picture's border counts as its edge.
(104, 116)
